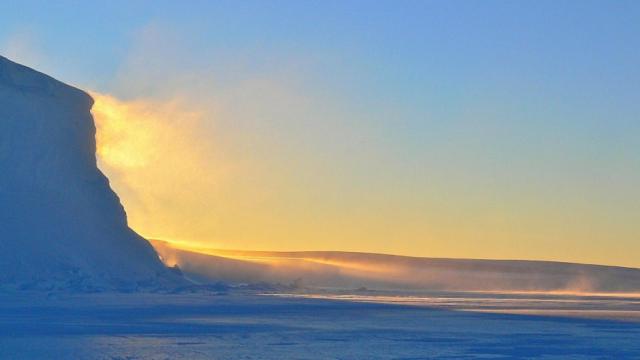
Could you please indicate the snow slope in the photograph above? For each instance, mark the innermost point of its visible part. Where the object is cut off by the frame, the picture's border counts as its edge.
(379, 271)
(61, 225)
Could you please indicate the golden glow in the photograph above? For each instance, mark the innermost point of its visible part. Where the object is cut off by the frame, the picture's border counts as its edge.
(239, 178)
(123, 137)
(147, 150)
(279, 259)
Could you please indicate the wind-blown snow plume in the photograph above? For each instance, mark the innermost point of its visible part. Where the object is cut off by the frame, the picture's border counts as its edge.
(150, 151)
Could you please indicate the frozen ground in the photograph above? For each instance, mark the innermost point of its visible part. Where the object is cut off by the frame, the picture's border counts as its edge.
(241, 325)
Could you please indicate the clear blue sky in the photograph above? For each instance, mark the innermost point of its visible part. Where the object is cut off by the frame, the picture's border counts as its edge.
(508, 128)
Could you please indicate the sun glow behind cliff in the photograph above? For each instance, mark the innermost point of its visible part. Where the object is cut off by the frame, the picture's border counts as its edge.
(125, 131)
(234, 174)
(147, 150)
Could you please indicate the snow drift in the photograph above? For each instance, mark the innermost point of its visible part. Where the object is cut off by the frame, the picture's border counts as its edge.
(61, 225)
(391, 272)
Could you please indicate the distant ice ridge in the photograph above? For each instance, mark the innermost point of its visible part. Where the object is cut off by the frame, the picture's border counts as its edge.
(349, 270)
(61, 225)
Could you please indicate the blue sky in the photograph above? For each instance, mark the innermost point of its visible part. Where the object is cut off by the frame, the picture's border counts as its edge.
(509, 129)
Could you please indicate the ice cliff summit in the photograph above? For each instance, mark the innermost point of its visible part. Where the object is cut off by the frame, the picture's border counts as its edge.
(61, 225)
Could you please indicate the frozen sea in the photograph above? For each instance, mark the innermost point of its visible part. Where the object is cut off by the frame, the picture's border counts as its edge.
(318, 325)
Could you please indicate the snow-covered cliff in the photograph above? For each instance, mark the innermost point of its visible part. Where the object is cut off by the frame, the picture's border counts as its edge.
(61, 225)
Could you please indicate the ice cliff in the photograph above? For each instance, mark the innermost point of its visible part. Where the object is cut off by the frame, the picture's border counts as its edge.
(61, 225)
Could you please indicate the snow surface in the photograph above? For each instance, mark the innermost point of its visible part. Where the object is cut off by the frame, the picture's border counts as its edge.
(61, 225)
(243, 325)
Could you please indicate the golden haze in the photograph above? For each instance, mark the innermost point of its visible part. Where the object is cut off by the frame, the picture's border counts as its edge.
(177, 181)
